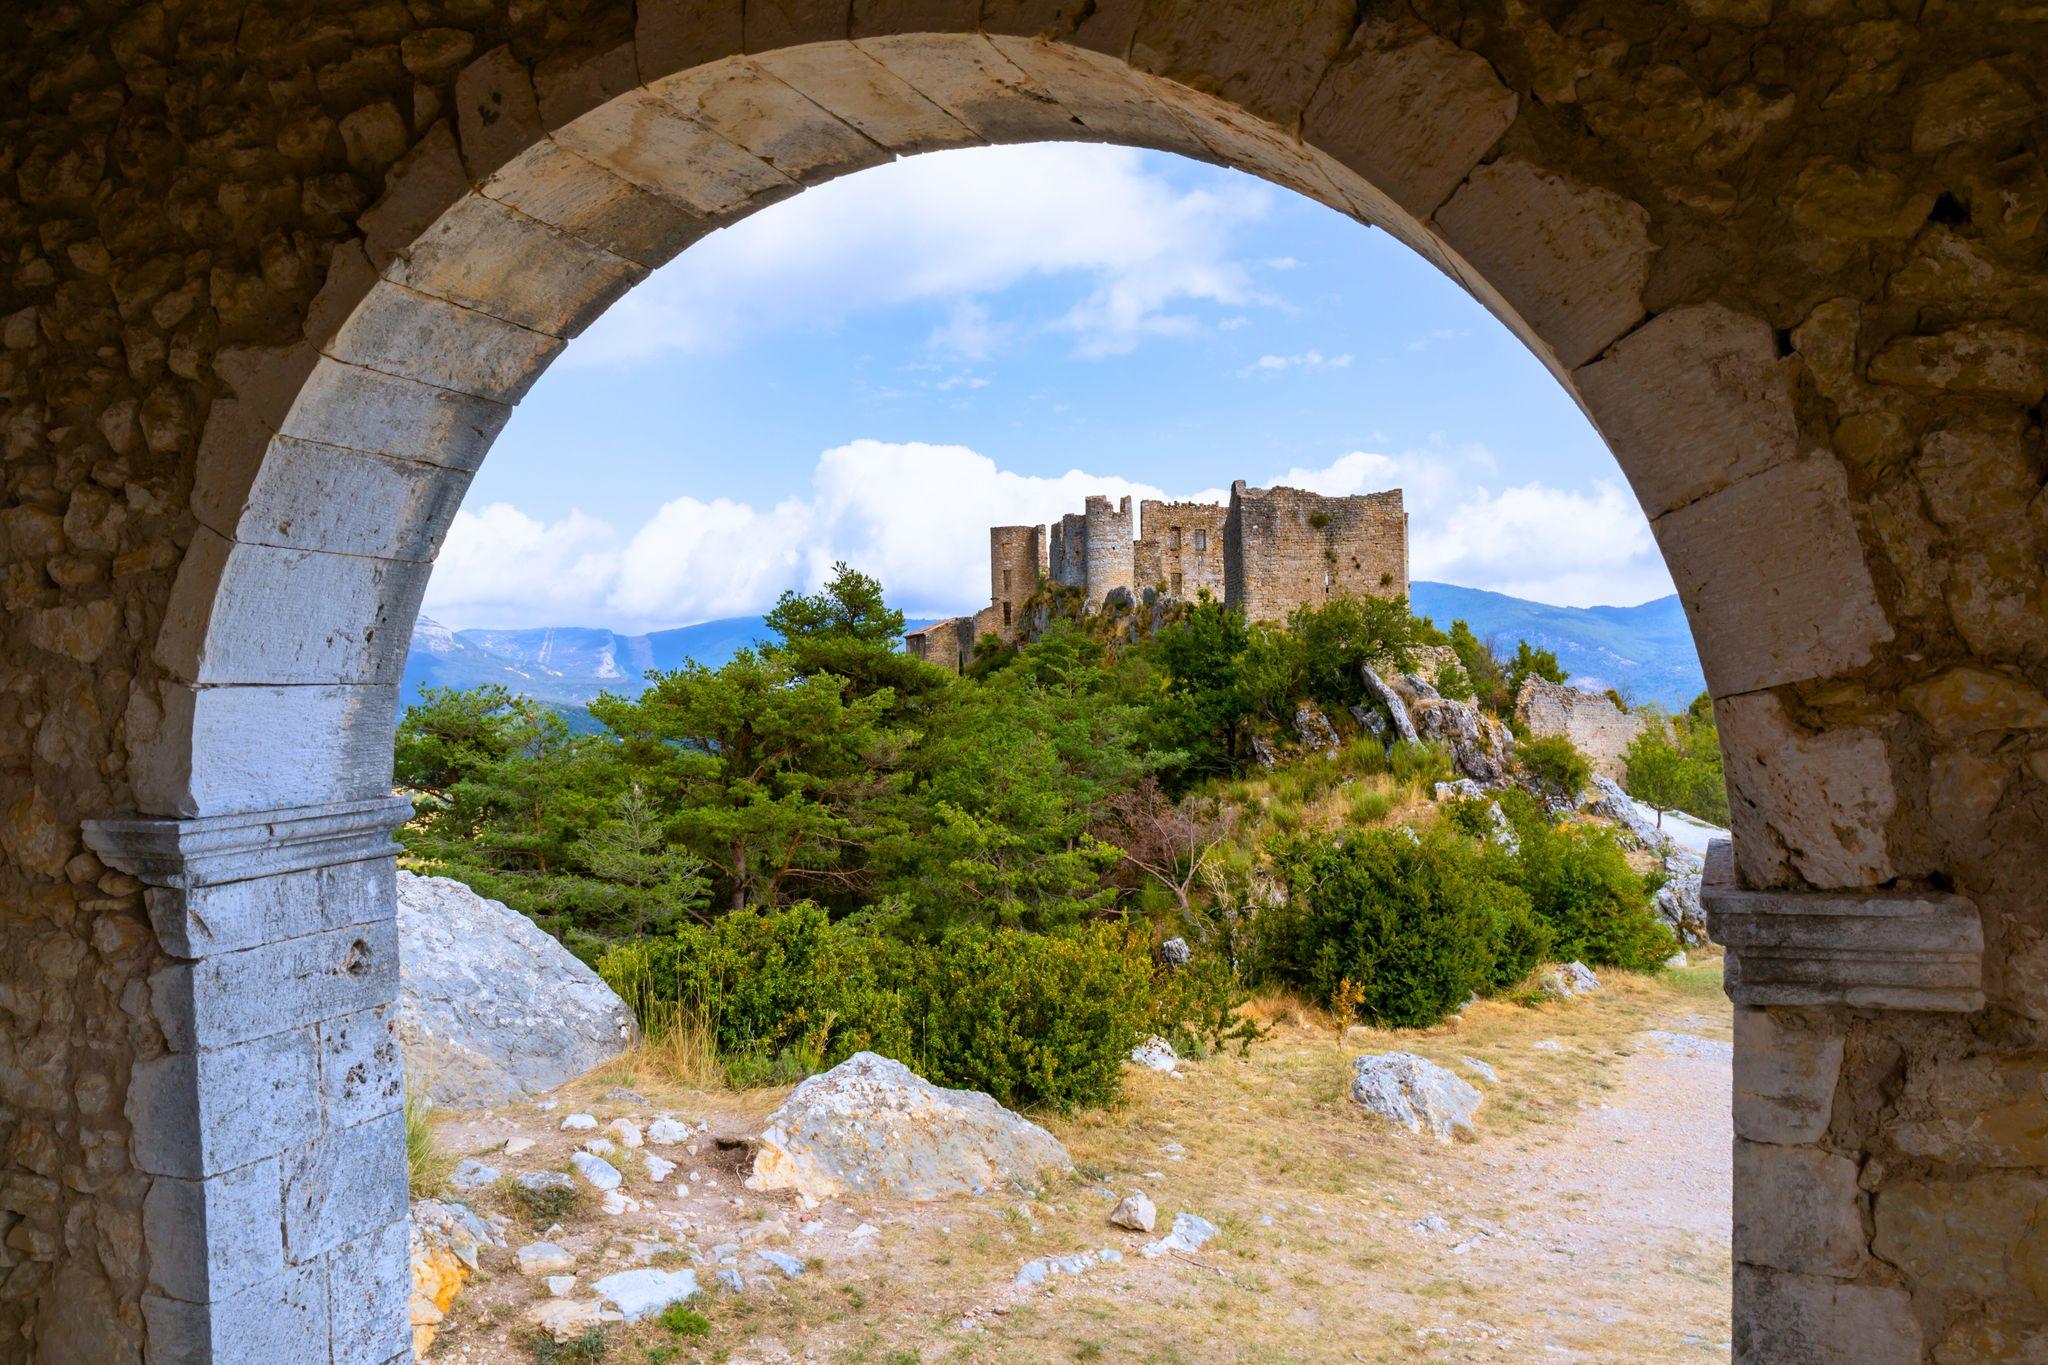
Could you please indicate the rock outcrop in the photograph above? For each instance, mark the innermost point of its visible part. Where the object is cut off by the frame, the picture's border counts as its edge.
(1479, 745)
(1315, 732)
(1568, 979)
(1415, 1093)
(872, 1126)
(1597, 728)
(491, 1008)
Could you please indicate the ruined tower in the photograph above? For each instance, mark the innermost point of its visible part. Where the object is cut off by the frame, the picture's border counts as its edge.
(1016, 558)
(1107, 559)
(1181, 550)
(1287, 547)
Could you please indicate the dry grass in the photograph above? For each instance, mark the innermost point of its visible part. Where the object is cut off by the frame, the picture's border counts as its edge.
(677, 1049)
(1337, 1272)
(426, 1166)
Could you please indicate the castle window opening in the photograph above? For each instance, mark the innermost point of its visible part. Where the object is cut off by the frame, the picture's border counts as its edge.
(1201, 541)
(1006, 580)
(1006, 613)
(1176, 583)
(1173, 539)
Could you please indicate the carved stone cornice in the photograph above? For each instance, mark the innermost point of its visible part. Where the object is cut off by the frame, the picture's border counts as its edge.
(211, 849)
(1895, 950)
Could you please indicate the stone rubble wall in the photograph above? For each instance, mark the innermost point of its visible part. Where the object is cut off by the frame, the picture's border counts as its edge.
(276, 271)
(1109, 537)
(1286, 548)
(1167, 556)
(1016, 560)
(1596, 727)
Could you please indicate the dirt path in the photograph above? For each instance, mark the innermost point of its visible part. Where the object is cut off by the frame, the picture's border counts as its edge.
(1589, 1221)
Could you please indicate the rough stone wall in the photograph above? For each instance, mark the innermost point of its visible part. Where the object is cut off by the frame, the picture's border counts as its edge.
(1015, 562)
(1067, 551)
(938, 644)
(1107, 563)
(1789, 256)
(1180, 548)
(1286, 548)
(1597, 727)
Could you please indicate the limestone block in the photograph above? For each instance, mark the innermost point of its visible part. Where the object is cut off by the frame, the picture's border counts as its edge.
(1980, 1236)
(198, 1114)
(343, 1185)
(751, 109)
(484, 255)
(1985, 1111)
(1265, 57)
(1813, 1320)
(569, 84)
(1797, 1209)
(308, 495)
(1102, 93)
(977, 85)
(415, 336)
(1773, 578)
(369, 1290)
(1411, 112)
(1991, 358)
(234, 997)
(418, 190)
(263, 614)
(211, 1239)
(552, 184)
(769, 24)
(362, 1074)
(865, 94)
(283, 1319)
(497, 115)
(1235, 138)
(670, 35)
(649, 143)
(1814, 804)
(1692, 401)
(1994, 1339)
(1786, 1068)
(385, 414)
(1570, 258)
(210, 750)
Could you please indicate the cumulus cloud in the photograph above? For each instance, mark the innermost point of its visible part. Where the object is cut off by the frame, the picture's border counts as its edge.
(916, 516)
(954, 229)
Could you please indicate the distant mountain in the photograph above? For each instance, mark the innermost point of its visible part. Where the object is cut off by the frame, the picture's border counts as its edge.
(1646, 652)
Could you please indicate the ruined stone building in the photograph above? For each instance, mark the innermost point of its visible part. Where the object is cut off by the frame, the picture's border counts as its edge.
(1266, 553)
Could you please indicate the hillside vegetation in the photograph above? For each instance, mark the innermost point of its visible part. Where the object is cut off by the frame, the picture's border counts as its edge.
(825, 845)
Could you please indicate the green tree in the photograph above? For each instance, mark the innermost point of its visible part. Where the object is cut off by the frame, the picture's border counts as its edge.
(658, 882)
(1203, 705)
(849, 631)
(1482, 667)
(1341, 639)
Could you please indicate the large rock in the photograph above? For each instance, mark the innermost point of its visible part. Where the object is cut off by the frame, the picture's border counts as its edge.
(1597, 728)
(491, 1008)
(873, 1126)
(1415, 1093)
(1314, 730)
(1678, 902)
(1634, 823)
(1478, 743)
(1396, 708)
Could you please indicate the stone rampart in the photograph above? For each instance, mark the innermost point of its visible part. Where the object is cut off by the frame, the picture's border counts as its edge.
(1597, 727)
(1180, 548)
(1287, 547)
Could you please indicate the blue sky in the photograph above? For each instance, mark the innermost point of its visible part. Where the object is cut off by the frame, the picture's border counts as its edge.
(882, 367)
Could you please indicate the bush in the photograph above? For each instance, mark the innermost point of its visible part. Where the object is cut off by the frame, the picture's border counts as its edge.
(1400, 928)
(1556, 764)
(1421, 764)
(1580, 885)
(1521, 941)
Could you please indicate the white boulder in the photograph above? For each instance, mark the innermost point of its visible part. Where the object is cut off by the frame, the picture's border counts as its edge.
(1415, 1093)
(1568, 979)
(644, 1292)
(491, 1008)
(600, 1173)
(1155, 1054)
(1135, 1212)
(872, 1126)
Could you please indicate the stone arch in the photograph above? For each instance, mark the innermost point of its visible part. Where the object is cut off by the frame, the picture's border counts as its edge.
(1806, 315)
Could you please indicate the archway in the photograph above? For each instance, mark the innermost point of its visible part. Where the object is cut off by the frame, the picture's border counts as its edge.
(1822, 482)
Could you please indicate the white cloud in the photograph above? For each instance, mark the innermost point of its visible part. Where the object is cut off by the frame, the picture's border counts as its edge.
(953, 229)
(1269, 365)
(917, 516)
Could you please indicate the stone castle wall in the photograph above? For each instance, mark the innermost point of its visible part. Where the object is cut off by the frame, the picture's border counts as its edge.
(1596, 727)
(1067, 551)
(1109, 548)
(1181, 549)
(1286, 547)
(1016, 559)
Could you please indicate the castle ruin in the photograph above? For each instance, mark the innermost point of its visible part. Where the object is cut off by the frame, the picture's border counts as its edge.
(1268, 552)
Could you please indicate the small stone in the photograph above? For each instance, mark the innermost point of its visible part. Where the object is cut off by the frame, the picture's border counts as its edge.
(579, 1122)
(470, 1174)
(1155, 1054)
(627, 1132)
(595, 1169)
(1567, 980)
(1174, 953)
(667, 1132)
(789, 1265)
(542, 1181)
(1480, 1069)
(731, 1280)
(517, 1146)
(658, 1169)
(1190, 1231)
(1135, 1212)
(617, 1202)
(600, 1146)
(543, 1258)
(560, 1285)
(641, 1293)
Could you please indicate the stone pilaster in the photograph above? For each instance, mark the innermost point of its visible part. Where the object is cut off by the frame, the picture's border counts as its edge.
(272, 1127)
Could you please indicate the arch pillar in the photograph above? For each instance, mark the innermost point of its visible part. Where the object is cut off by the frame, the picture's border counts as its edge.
(272, 1125)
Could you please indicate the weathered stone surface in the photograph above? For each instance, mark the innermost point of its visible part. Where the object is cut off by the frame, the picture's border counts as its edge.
(1136, 1212)
(642, 1293)
(1597, 728)
(1969, 1236)
(1984, 1111)
(1568, 979)
(1965, 701)
(1810, 805)
(1314, 731)
(493, 1008)
(1797, 1209)
(1812, 1318)
(1979, 357)
(1786, 1069)
(1415, 1093)
(1570, 258)
(872, 1126)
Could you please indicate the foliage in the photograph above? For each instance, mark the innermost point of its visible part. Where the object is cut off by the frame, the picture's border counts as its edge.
(425, 1166)
(1454, 683)
(1556, 763)
(1579, 883)
(1401, 927)
(1674, 763)
(683, 1321)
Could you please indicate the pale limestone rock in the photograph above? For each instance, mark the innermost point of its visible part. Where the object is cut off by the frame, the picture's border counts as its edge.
(542, 1259)
(1821, 1321)
(872, 1126)
(1136, 1212)
(1975, 1236)
(1155, 1054)
(598, 1172)
(1568, 979)
(1811, 803)
(644, 1292)
(1415, 1093)
(492, 1009)
(1797, 1209)
(1785, 1076)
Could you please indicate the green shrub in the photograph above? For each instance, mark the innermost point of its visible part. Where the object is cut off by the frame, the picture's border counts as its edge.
(1369, 805)
(1421, 764)
(1194, 1007)
(1580, 885)
(1556, 763)
(1521, 940)
(1402, 927)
